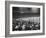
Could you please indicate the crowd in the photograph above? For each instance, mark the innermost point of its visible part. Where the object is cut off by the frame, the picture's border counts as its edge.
(22, 26)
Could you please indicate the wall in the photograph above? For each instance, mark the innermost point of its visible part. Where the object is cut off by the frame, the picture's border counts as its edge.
(2, 19)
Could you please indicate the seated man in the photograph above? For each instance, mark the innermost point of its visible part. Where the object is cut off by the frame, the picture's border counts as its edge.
(16, 28)
(23, 26)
